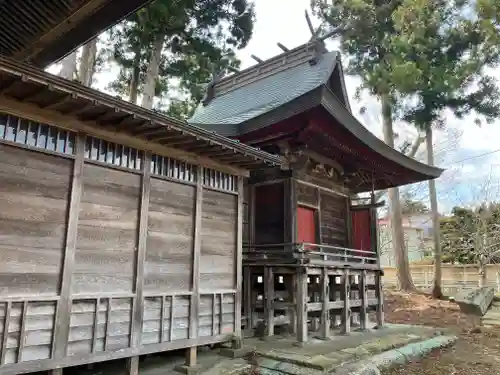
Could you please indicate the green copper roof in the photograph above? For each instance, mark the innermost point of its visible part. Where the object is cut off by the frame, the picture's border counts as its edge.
(256, 98)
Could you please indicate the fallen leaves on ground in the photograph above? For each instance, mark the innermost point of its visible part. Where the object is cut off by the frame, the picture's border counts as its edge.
(476, 352)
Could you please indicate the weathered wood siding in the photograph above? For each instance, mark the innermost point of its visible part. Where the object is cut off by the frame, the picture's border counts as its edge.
(34, 191)
(331, 211)
(333, 219)
(169, 250)
(189, 253)
(107, 231)
(307, 195)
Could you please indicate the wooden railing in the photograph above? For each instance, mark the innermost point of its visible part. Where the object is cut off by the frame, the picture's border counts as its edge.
(311, 254)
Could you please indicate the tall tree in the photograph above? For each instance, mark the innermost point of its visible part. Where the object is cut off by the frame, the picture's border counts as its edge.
(88, 61)
(364, 28)
(440, 51)
(176, 44)
(68, 66)
(84, 69)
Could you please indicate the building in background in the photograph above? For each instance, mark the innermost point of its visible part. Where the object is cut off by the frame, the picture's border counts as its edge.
(418, 238)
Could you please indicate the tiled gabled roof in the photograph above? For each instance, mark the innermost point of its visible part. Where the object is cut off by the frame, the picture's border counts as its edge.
(266, 86)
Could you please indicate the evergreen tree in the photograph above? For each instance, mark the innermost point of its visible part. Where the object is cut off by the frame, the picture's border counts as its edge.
(439, 55)
(364, 29)
(175, 46)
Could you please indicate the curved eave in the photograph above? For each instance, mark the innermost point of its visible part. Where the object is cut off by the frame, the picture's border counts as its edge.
(343, 116)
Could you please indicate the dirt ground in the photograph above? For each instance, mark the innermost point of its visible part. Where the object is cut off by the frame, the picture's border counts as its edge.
(476, 352)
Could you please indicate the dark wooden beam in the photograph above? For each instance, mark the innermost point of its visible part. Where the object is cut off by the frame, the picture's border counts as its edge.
(32, 97)
(138, 305)
(239, 262)
(64, 304)
(110, 114)
(64, 100)
(78, 111)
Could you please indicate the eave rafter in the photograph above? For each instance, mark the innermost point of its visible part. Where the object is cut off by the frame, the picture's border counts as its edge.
(19, 81)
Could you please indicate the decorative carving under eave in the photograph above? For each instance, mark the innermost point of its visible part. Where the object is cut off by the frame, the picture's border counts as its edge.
(325, 171)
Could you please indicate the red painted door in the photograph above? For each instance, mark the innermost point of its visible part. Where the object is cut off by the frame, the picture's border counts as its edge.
(306, 225)
(361, 234)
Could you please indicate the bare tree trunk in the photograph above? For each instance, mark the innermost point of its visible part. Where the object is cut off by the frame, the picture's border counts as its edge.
(400, 252)
(482, 274)
(148, 93)
(87, 63)
(68, 68)
(436, 290)
(411, 154)
(134, 81)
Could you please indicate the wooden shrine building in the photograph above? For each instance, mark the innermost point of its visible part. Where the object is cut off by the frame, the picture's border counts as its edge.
(310, 246)
(120, 228)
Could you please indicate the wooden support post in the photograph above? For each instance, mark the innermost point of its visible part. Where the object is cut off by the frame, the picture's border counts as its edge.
(138, 305)
(292, 295)
(346, 311)
(380, 299)
(191, 356)
(190, 365)
(325, 318)
(302, 305)
(364, 301)
(194, 306)
(133, 365)
(237, 342)
(269, 294)
(247, 300)
(64, 304)
(333, 297)
(355, 295)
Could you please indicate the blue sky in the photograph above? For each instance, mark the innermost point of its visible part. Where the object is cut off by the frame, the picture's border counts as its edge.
(465, 182)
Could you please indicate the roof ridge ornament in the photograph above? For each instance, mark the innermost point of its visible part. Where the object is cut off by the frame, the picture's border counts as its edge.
(210, 90)
(316, 41)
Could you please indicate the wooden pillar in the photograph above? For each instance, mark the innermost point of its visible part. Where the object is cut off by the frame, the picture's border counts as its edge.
(333, 297)
(194, 306)
(380, 299)
(291, 202)
(325, 318)
(133, 365)
(363, 316)
(354, 295)
(138, 305)
(247, 299)
(239, 267)
(346, 311)
(301, 292)
(191, 356)
(269, 297)
(247, 272)
(292, 292)
(64, 304)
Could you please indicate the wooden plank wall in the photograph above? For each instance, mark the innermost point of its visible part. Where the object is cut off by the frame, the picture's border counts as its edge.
(331, 210)
(104, 295)
(34, 190)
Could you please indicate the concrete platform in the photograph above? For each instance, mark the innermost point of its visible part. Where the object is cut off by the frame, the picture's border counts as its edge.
(492, 316)
(358, 353)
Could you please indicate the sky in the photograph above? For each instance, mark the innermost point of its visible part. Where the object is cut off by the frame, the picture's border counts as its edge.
(470, 154)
